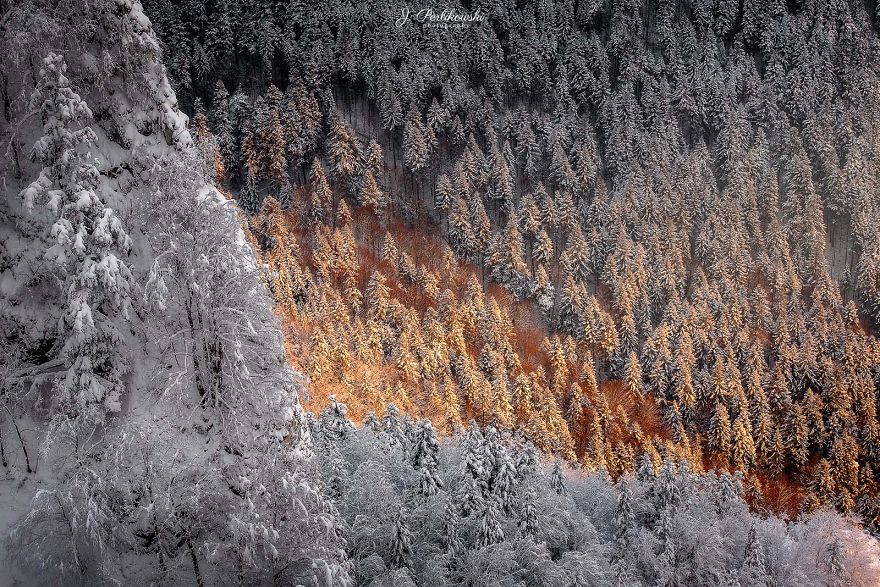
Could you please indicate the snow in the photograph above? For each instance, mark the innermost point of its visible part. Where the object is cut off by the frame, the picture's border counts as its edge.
(190, 253)
(124, 162)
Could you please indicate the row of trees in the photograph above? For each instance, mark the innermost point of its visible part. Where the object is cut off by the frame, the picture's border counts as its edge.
(482, 509)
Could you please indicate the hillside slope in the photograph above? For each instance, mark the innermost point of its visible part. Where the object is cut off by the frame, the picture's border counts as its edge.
(686, 192)
(151, 429)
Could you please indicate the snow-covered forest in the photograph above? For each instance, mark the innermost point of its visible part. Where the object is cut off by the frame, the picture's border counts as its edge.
(484, 510)
(617, 227)
(338, 293)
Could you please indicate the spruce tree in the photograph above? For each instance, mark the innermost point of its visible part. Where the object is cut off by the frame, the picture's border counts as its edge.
(89, 245)
(424, 459)
(401, 540)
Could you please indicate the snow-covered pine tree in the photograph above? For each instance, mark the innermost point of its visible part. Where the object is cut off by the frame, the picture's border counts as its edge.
(424, 459)
(88, 252)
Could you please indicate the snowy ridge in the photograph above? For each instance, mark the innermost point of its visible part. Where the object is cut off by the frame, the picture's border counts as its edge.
(163, 433)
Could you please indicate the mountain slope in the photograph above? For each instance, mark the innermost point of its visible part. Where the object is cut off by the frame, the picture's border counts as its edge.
(151, 430)
(150, 419)
(686, 191)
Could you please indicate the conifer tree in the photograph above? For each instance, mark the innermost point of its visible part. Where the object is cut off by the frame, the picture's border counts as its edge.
(88, 249)
(542, 251)
(490, 531)
(719, 431)
(415, 147)
(424, 459)
(461, 233)
(776, 454)
(223, 126)
(370, 195)
(798, 441)
(742, 448)
(557, 480)
(823, 483)
(844, 460)
(276, 171)
(321, 200)
(624, 524)
(451, 536)
(633, 374)
(528, 521)
(344, 151)
(443, 194)
(401, 540)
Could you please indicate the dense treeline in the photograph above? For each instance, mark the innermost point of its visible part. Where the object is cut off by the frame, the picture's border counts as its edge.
(412, 325)
(687, 190)
(484, 510)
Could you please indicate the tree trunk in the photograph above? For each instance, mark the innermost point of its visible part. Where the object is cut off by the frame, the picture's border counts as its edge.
(195, 563)
(3, 449)
(27, 459)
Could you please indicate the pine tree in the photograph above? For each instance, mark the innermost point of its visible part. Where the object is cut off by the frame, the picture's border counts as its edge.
(451, 536)
(753, 568)
(394, 429)
(575, 260)
(371, 196)
(624, 525)
(223, 126)
(743, 447)
(321, 201)
(343, 150)
(401, 540)
(461, 233)
(542, 251)
(502, 184)
(490, 531)
(776, 454)
(633, 375)
(504, 259)
(443, 194)
(472, 478)
(543, 290)
(528, 521)
(557, 480)
(424, 459)
(415, 147)
(529, 217)
(645, 471)
(390, 253)
(276, 171)
(844, 460)
(248, 198)
(823, 483)
(779, 396)
(334, 422)
(88, 250)
(481, 228)
(560, 169)
(374, 157)
(719, 431)
(799, 439)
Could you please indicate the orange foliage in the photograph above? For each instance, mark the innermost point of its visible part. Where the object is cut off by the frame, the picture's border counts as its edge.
(369, 382)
